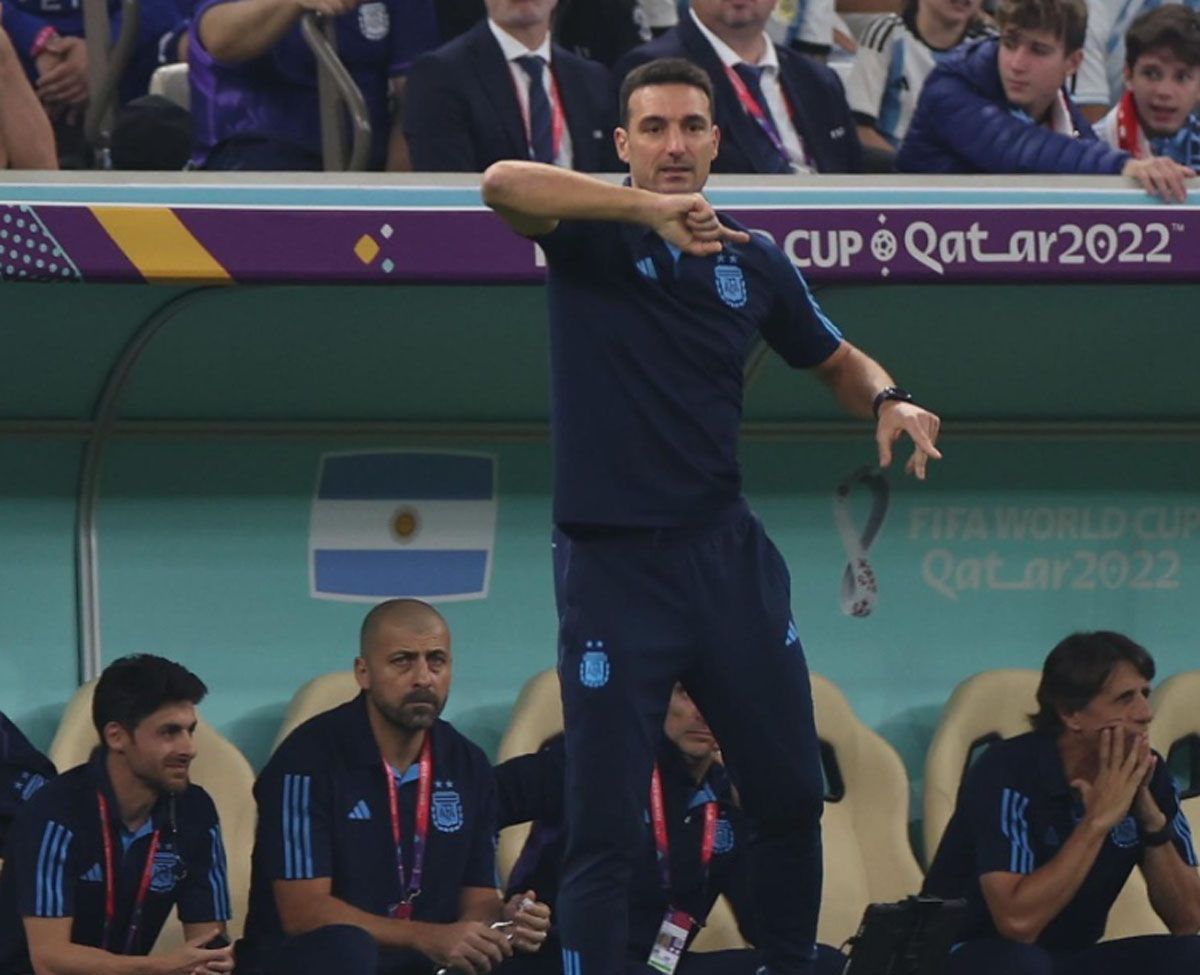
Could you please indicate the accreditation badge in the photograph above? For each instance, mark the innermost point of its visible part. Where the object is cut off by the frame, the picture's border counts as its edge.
(672, 938)
(403, 910)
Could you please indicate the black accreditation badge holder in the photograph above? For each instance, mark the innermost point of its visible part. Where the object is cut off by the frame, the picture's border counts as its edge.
(910, 937)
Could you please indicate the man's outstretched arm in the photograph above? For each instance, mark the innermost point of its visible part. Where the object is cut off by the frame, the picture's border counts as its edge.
(856, 379)
(533, 197)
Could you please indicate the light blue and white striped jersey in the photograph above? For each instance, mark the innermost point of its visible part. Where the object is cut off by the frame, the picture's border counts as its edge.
(1099, 79)
(889, 71)
(803, 21)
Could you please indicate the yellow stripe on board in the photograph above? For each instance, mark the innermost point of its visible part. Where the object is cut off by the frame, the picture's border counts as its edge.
(159, 245)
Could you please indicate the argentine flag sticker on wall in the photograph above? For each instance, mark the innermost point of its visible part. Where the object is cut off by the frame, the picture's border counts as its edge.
(403, 523)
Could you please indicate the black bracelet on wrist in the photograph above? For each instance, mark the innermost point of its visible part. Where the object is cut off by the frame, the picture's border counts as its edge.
(1158, 837)
(890, 393)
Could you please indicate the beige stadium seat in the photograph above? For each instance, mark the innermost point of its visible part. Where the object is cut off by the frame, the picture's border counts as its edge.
(867, 855)
(171, 81)
(868, 858)
(996, 703)
(319, 694)
(222, 771)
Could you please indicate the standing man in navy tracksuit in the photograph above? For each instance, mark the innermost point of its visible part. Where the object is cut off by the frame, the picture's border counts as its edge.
(663, 573)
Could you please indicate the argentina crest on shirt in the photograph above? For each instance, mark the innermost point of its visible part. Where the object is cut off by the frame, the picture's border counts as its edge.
(373, 21)
(165, 872)
(730, 281)
(400, 523)
(447, 808)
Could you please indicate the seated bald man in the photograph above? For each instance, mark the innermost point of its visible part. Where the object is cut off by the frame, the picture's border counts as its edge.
(374, 850)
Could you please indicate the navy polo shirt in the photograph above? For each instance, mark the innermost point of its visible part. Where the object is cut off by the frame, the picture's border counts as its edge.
(323, 811)
(530, 787)
(1015, 811)
(54, 865)
(647, 349)
(23, 770)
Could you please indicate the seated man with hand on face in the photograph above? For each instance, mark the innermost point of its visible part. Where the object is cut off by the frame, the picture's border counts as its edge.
(1157, 114)
(1001, 107)
(97, 858)
(695, 847)
(374, 850)
(1050, 824)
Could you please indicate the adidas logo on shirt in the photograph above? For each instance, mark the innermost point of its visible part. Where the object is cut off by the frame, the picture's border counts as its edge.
(95, 875)
(360, 810)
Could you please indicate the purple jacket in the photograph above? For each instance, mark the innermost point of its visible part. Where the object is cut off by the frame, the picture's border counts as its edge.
(964, 124)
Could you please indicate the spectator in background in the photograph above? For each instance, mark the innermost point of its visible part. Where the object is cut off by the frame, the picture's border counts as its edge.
(1156, 114)
(897, 53)
(602, 30)
(778, 111)
(1000, 106)
(456, 17)
(504, 91)
(48, 36)
(1098, 84)
(26, 141)
(807, 26)
(254, 81)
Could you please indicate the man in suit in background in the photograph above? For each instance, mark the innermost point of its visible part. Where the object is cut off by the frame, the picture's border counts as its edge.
(778, 111)
(504, 91)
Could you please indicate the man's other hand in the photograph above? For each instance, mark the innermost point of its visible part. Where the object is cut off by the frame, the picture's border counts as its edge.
(471, 947)
(193, 957)
(530, 918)
(897, 418)
(690, 223)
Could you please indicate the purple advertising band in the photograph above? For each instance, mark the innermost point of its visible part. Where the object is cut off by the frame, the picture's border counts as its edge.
(192, 228)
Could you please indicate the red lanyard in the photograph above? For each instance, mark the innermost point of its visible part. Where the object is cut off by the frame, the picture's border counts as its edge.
(411, 886)
(759, 112)
(558, 121)
(110, 881)
(658, 817)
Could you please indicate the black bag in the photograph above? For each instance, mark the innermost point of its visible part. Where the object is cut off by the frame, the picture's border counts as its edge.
(910, 937)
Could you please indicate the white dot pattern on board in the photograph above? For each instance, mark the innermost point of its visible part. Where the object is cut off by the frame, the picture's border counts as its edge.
(22, 238)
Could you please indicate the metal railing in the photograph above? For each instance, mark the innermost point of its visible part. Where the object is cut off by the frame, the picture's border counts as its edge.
(106, 67)
(335, 89)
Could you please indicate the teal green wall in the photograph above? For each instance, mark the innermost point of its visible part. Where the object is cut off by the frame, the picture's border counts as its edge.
(203, 541)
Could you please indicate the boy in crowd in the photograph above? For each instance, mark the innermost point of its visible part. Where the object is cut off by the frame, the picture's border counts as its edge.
(1156, 114)
(1001, 107)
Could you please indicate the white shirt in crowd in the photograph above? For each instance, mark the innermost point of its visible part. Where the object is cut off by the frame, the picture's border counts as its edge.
(889, 72)
(772, 92)
(1099, 80)
(513, 49)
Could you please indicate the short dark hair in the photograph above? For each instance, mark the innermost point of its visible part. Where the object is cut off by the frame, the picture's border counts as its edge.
(1077, 670)
(664, 71)
(1066, 19)
(134, 687)
(1173, 26)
